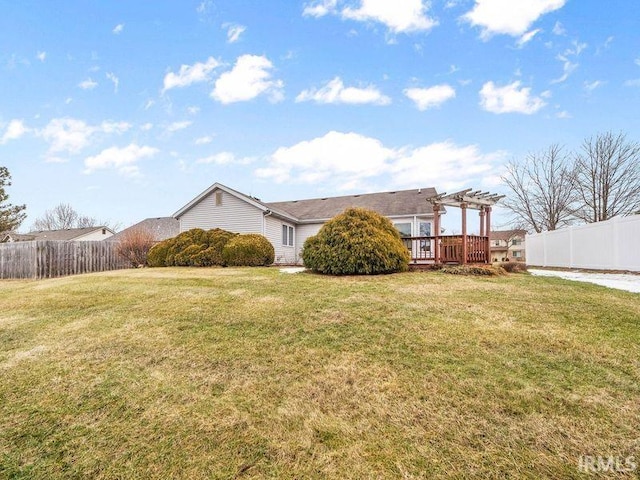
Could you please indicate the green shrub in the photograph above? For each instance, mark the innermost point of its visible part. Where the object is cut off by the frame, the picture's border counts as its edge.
(194, 248)
(157, 255)
(479, 270)
(250, 250)
(356, 242)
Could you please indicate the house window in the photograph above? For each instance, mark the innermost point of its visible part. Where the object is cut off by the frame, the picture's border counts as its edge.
(287, 236)
(104, 231)
(218, 199)
(425, 229)
(404, 229)
(516, 254)
(516, 241)
(496, 243)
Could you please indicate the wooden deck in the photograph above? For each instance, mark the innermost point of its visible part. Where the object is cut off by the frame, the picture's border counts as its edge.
(451, 249)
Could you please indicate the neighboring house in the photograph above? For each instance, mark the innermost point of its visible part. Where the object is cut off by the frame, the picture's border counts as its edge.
(508, 245)
(288, 224)
(160, 227)
(69, 234)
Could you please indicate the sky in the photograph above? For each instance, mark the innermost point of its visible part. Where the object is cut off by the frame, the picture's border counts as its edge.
(129, 109)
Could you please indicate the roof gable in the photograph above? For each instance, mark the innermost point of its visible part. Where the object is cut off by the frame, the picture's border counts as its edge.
(218, 186)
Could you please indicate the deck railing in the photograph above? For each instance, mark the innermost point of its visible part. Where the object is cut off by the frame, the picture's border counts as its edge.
(423, 248)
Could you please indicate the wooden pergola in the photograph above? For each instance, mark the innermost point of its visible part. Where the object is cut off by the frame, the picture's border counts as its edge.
(464, 248)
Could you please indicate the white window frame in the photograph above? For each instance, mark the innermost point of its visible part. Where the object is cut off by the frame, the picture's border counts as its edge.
(288, 235)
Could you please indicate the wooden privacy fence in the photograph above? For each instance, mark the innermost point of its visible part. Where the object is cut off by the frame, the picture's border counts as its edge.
(48, 259)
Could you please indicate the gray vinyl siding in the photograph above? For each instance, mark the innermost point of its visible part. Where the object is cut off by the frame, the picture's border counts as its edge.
(234, 215)
(273, 232)
(303, 232)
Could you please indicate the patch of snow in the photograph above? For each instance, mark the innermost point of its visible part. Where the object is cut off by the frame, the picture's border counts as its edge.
(292, 269)
(619, 281)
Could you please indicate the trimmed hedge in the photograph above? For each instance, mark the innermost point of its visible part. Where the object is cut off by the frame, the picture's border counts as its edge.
(193, 248)
(356, 242)
(249, 250)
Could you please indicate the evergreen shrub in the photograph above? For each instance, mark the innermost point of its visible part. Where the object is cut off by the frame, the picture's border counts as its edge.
(249, 250)
(356, 242)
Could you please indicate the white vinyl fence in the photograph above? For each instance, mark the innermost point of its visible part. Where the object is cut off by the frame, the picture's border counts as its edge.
(610, 245)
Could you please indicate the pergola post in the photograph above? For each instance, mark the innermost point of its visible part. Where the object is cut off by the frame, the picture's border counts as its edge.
(436, 227)
(488, 232)
(465, 199)
(463, 208)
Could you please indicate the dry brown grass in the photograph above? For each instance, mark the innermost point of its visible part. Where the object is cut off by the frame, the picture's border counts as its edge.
(249, 373)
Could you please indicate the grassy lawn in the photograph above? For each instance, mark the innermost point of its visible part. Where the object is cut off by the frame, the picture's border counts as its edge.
(252, 373)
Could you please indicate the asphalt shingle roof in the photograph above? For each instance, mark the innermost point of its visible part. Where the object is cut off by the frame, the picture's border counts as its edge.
(63, 235)
(400, 202)
(160, 227)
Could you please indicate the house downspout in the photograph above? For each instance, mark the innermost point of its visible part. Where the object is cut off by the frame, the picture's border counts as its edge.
(264, 222)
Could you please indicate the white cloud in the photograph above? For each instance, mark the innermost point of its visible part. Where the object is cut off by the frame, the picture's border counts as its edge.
(509, 17)
(591, 86)
(146, 127)
(115, 80)
(632, 83)
(118, 29)
(509, 99)
(431, 97)
(527, 37)
(558, 29)
(88, 84)
(175, 126)
(349, 160)
(72, 135)
(234, 31)
(563, 114)
(41, 56)
(123, 160)
(320, 8)
(15, 130)
(335, 92)
(193, 110)
(399, 16)
(190, 74)
(204, 140)
(568, 66)
(443, 164)
(225, 158)
(249, 78)
(336, 155)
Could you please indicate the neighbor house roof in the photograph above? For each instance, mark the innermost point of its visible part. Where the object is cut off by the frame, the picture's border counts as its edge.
(507, 235)
(15, 237)
(64, 235)
(160, 227)
(395, 203)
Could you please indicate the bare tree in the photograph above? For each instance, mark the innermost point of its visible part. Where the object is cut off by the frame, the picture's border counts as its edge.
(11, 216)
(134, 245)
(607, 177)
(541, 187)
(64, 216)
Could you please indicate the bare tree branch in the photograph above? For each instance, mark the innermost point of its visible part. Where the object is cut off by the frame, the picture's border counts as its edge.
(607, 177)
(541, 190)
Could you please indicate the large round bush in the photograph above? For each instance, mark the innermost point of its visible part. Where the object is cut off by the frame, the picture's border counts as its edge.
(195, 247)
(356, 242)
(250, 250)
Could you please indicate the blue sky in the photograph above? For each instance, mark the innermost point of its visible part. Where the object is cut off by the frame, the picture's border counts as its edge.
(128, 110)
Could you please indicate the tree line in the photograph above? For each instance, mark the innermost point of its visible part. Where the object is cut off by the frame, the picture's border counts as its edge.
(61, 217)
(554, 187)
